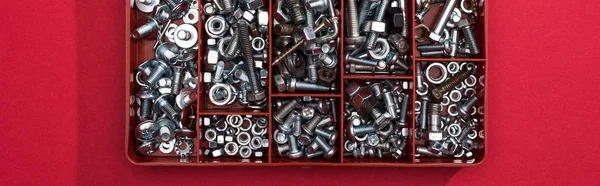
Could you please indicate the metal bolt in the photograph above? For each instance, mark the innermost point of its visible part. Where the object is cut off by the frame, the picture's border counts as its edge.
(424, 151)
(256, 93)
(431, 47)
(165, 103)
(297, 127)
(144, 30)
(380, 64)
(376, 89)
(382, 120)
(296, 10)
(146, 96)
(424, 107)
(390, 104)
(465, 26)
(329, 151)
(233, 46)
(329, 135)
(353, 19)
(282, 149)
(294, 152)
(435, 125)
(293, 84)
(403, 109)
(161, 70)
(420, 15)
(360, 130)
(442, 20)
(312, 70)
(284, 110)
(377, 17)
(453, 43)
(439, 91)
(309, 128)
(465, 107)
(177, 79)
(315, 154)
(286, 126)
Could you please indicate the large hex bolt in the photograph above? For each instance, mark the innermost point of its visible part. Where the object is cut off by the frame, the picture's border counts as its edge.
(286, 109)
(146, 96)
(256, 93)
(165, 103)
(379, 14)
(297, 11)
(329, 151)
(465, 26)
(436, 33)
(435, 125)
(439, 91)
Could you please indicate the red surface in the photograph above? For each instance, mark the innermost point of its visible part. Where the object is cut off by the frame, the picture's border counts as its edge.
(62, 117)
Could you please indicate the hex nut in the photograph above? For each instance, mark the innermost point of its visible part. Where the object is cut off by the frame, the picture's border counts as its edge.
(248, 16)
(306, 33)
(263, 18)
(399, 42)
(374, 26)
(280, 14)
(212, 57)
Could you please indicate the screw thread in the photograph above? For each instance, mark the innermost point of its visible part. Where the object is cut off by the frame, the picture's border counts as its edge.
(315, 154)
(471, 40)
(219, 72)
(322, 133)
(363, 129)
(227, 6)
(300, 85)
(310, 18)
(292, 143)
(146, 108)
(156, 74)
(363, 12)
(434, 117)
(312, 70)
(170, 111)
(296, 10)
(439, 91)
(232, 48)
(353, 19)
(244, 39)
(361, 61)
(176, 83)
(145, 29)
(468, 104)
(285, 110)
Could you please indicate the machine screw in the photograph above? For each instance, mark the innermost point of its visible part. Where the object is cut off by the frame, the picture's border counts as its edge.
(435, 125)
(353, 19)
(315, 154)
(390, 104)
(165, 103)
(360, 130)
(329, 151)
(329, 135)
(309, 128)
(403, 109)
(296, 10)
(286, 126)
(161, 70)
(464, 108)
(286, 109)
(293, 84)
(376, 89)
(378, 64)
(176, 82)
(256, 93)
(439, 91)
(144, 30)
(442, 20)
(282, 149)
(383, 6)
(424, 108)
(465, 26)
(146, 96)
(294, 152)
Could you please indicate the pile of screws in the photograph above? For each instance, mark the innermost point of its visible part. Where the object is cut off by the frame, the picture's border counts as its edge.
(305, 45)
(235, 136)
(307, 128)
(446, 112)
(168, 83)
(375, 44)
(444, 39)
(236, 34)
(376, 118)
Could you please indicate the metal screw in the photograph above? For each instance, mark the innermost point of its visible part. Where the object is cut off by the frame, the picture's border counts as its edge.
(439, 91)
(353, 19)
(165, 103)
(161, 70)
(312, 124)
(377, 17)
(146, 96)
(465, 26)
(435, 125)
(329, 151)
(329, 135)
(286, 109)
(296, 10)
(390, 104)
(256, 93)
(464, 108)
(360, 130)
(379, 64)
(294, 152)
(442, 20)
(293, 84)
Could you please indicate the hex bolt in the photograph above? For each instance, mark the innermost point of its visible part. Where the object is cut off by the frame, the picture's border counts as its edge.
(419, 76)
(161, 70)
(219, 72)
(329, 151)
(453, 42)
(442, 20)
(424, 107)
(325, 23)
(286, 126)
(310, 17)
(294, 152)
(434, 120)
(403, 109)
(284, 110)
(329, 135)
(380, 12)
(404, 21)
(433, 53)
(390, 104)
(315, 154)
(256, 93)
(282, 149)
(233, 47)
(309, 128)
(165, 103)
(465, 107)
(380, 64)
(312, 75)
(293, 84)
(361, 130)
(465, 26)
(145, 29)
(296, 10)
(353, 19)
(438, 91)
(376, 89)
(146, 97)
(177, 79)
(329, 61)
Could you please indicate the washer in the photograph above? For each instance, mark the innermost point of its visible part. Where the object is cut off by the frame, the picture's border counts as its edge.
(217, 87)
(146, 6)
(186, 36)
(234, 121)
(231, 148)
(382, 51)
(443, 76)
(255, 143)
(243, 138)
(210, 135)
(464, 9)
(258, 44)
(471, 81)
(453, 67)
(245, 152)
(191, 17)
(452, 113)
(470, 92)
(455, 96)
(424, 91)
(454, 130)
(445, 100)
(167, 148)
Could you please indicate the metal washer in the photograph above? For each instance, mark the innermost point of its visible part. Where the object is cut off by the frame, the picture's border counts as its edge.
(191, 41)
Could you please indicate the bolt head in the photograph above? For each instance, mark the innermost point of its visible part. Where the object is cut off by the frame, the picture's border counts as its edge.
(435, 136)
(146, 93)
(280, 83)
(147, 148)
(168, 51)
(399, 42)
(465, 23)
(257, 95)
(252, 4)
(280, 15)
(304, 139)
(146, 131)
(330, 153)
(323, 106)
(435, 37)
(307, 112)
(166, 129)
(291, 85)
(333, 137)
(295, 155)
(381, 65)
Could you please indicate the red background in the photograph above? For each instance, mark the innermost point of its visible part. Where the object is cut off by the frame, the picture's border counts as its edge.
(62, 93)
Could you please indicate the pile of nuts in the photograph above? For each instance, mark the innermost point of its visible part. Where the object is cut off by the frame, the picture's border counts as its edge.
(376, 44)
(235, 136)
(306, 42)
(444, 39)
(236, 40)
(376, 118)
(447, 116)
(167, 84)
(307, 127)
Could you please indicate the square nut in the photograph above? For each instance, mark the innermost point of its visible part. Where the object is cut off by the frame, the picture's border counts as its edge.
(263, 18)
(374, 26)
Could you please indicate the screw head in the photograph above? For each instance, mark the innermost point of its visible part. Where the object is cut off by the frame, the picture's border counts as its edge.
(146, 93)
(146, 131)
(330, 153)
